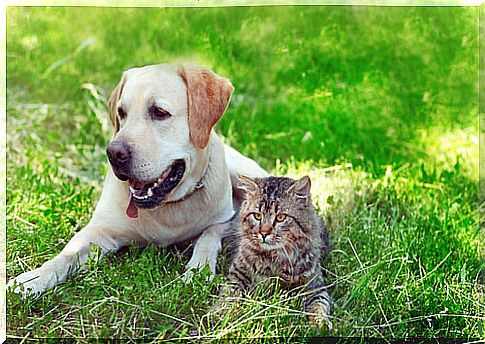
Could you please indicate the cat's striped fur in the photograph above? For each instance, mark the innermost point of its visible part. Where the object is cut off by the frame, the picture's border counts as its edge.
(280, 234)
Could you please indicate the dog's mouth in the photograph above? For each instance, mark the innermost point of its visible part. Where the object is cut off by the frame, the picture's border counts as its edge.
(151, 194)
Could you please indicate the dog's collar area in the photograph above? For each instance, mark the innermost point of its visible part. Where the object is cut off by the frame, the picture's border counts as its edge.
(198, 186)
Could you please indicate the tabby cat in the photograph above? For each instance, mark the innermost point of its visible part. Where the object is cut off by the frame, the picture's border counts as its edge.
(280, 234)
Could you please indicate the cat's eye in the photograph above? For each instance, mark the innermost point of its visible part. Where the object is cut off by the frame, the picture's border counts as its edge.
(257, 216)
(280, 217)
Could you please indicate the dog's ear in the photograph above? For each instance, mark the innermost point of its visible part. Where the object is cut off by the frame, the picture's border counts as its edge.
(208, 95)
(113, 102)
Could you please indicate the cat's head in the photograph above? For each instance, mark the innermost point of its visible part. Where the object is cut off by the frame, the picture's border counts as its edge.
(274, 212)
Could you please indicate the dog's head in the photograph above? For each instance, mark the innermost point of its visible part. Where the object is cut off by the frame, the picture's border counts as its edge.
(163, 117)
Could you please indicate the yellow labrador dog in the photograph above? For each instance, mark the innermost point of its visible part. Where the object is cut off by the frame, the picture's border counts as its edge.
(170, 177)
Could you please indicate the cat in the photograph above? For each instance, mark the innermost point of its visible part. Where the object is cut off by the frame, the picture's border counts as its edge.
(279, 233)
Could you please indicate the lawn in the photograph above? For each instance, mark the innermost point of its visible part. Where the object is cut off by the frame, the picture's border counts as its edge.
(378, 105)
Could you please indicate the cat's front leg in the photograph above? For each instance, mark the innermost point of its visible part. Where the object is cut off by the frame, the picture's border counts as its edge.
(228, 296)
(319, 303)
(238, 280)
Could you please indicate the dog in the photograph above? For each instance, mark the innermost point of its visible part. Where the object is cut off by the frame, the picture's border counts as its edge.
(170, 177)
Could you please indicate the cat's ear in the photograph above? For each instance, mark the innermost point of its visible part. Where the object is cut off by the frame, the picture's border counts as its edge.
(302, 187)
(247, 184)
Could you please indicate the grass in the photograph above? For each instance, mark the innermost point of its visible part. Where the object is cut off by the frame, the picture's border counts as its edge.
(378, 105)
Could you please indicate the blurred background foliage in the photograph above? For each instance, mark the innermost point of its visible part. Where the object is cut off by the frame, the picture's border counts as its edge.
(366, 85)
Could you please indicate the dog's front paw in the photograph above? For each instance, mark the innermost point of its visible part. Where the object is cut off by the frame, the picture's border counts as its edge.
(32, 283)
(198, 264)
(189, 274)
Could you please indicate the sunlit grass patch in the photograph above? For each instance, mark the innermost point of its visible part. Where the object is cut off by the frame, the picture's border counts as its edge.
(452, 147)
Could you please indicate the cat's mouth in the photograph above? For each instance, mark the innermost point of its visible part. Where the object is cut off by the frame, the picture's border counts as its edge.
(270, 246)
(268, 243)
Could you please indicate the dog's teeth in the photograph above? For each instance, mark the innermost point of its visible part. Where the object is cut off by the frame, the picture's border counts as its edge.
(140, 197)
(132, 190)
(160, 180)
(155, 185)
(150, 192)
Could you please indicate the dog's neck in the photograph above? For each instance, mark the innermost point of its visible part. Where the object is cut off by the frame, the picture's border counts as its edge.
(200, 184)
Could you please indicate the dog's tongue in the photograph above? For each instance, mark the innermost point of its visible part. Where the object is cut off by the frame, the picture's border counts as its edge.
(131, 209)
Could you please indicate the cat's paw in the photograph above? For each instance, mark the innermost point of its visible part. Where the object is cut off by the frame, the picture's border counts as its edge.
(228, 297)
(221, 304)
(321, 321)
(320, 315)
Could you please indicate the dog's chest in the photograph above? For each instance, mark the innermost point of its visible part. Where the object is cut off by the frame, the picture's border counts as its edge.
(171, 225)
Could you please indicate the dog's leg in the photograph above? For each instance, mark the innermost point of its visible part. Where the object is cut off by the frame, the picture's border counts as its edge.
(240, 164)
(206, 249)
(109, 229)
(72, 257)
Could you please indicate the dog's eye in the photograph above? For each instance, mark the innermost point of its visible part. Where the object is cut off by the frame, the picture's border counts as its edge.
(121, 113)
(159, 113)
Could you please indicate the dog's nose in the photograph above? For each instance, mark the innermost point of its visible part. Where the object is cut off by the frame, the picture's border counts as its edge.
(118, 153)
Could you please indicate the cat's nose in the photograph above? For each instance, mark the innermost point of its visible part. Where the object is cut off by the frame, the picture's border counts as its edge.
(265, 230)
